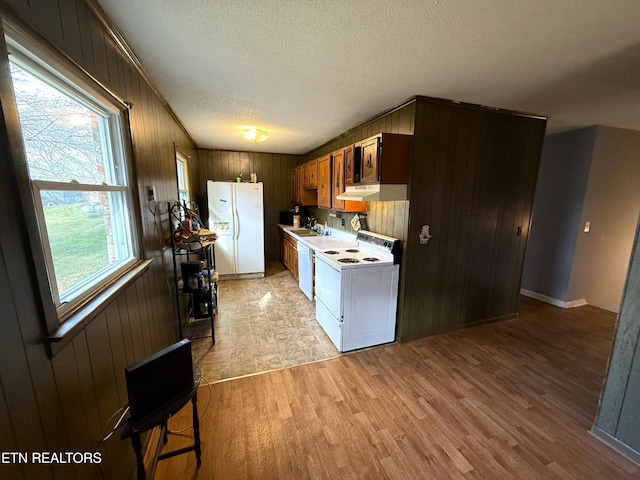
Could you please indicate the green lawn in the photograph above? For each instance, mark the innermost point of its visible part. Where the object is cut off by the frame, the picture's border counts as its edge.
(78, 243)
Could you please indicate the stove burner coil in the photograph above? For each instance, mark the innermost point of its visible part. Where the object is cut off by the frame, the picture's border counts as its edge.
(370, 259)
(330, 252)
(352, 250)
(348, 260)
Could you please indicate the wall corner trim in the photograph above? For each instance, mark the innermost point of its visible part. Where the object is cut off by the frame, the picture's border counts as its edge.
(616, 444)
(554, 301)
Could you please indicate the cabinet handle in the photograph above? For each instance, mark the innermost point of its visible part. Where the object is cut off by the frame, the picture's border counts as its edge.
(369, 162)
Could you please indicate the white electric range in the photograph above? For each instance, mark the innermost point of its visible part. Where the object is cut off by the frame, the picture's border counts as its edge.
(356, 291)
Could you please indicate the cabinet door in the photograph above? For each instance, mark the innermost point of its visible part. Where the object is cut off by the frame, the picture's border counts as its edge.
(301, 195)
(291, 255)
(370, 149)
(287, 247)
(324, 182)
(294, 259)
(312, 167)
(352, 164)
(337, 186)
(305, 175)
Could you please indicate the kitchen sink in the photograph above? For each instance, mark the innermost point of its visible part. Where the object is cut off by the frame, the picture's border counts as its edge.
(304, 232)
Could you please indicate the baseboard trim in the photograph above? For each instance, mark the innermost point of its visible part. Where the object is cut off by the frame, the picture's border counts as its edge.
(458, 328)
(554, 301)
(616, 444)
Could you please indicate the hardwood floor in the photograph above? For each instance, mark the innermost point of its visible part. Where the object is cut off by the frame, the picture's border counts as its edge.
(509, 400)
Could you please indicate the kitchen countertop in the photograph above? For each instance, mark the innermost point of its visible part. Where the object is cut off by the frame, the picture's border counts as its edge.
(337, 239)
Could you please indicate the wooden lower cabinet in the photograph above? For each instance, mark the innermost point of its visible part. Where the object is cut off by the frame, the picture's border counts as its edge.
(289, 253)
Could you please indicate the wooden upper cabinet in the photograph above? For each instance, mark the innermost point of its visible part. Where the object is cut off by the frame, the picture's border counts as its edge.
(324, 182)
(301, 195)
(311, 177)
(337, 185)
(369, 149)
(338, 166)
(305, 175)
(352, 164)
(385, 159)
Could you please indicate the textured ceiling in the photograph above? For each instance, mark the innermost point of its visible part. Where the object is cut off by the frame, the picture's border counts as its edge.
(308, 70)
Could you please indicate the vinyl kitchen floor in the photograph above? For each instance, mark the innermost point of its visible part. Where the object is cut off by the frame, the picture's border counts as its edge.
(262, 324)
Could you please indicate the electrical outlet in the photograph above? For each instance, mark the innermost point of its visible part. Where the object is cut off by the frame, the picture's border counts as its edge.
(342, 221)
(151, 193)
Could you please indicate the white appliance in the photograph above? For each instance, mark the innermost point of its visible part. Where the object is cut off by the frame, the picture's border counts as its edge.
(236, 215)
(356, 291)
(305, 270)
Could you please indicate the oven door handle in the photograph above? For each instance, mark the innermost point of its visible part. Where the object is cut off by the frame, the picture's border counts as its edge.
(320, 257)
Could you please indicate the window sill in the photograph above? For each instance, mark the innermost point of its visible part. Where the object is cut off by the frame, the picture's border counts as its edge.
(83, 316)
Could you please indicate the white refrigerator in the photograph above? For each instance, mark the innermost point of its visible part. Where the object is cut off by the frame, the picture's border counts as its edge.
(236, 215)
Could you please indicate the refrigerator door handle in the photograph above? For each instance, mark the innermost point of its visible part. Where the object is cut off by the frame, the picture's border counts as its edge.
(236, 221)
(237, 224)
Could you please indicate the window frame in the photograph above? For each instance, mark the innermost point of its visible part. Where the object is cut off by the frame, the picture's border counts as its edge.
(72, 80)
(182, 162)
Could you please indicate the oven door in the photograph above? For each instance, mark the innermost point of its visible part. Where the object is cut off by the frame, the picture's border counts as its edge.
(329, 286)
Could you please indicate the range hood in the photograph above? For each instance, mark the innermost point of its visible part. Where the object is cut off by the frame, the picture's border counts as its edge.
(374, 193)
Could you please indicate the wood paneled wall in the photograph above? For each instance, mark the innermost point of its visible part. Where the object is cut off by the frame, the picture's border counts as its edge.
(273, 170)
(472, 179)
(65, 403)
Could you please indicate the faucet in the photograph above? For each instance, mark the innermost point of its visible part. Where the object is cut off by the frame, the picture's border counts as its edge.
(311, 223)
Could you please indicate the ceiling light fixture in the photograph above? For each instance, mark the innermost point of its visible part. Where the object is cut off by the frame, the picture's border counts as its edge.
(253, 134)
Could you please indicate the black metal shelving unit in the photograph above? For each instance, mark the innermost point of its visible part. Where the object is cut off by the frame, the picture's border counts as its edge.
(199, 289)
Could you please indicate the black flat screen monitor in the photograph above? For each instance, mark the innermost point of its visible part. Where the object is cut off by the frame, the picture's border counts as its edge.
(159, 378)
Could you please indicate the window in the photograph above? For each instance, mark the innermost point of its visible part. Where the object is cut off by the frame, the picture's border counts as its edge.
(183, 179)
(73, 143)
